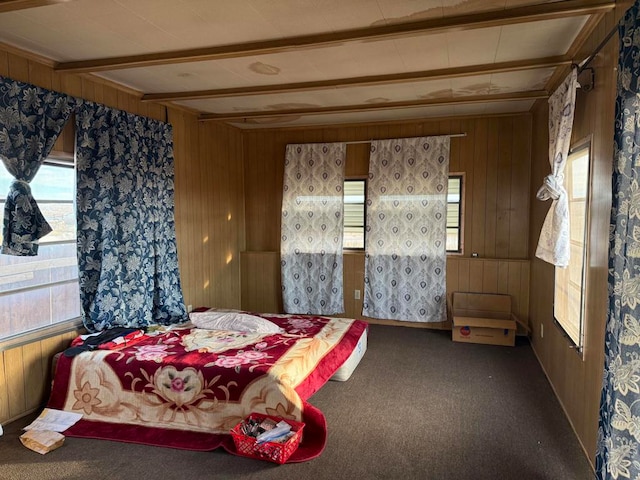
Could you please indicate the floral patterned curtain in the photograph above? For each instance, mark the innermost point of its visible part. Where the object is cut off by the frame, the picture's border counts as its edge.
(127, 255)
(405, 259)
(311, 240)
(553, 245)
(618, 454)
(31, 119)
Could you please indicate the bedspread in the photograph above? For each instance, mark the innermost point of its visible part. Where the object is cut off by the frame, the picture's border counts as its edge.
(198, 380)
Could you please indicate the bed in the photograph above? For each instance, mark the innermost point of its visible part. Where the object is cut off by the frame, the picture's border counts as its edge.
(186, 386)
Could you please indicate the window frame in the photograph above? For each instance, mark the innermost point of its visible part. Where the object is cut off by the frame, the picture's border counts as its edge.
(43, 332)
(363, 179)
(584, 144)
(461, 217)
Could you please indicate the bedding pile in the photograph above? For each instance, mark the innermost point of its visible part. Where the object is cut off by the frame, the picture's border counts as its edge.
(187, 387)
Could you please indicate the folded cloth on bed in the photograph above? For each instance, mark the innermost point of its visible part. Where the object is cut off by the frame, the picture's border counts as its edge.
(235, 321)
(105, 340)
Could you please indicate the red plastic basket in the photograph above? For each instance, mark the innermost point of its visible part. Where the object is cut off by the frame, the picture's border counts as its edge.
(272, 451)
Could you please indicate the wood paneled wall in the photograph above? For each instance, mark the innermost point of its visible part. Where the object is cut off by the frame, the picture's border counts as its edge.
(209, 218)
(25, 375)
(577, 381)
(209, 210)
(261, 286)
(261, 290)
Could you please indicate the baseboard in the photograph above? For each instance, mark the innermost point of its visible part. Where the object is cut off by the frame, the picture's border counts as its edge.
(22, 415)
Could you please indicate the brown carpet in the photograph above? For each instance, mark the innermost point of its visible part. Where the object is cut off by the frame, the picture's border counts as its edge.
(417, 407)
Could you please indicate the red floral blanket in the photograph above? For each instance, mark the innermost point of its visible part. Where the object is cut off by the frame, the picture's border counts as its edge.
(187, 387)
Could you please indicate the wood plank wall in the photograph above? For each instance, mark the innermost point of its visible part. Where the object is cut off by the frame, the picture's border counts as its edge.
(209, 218)
(209, 210)
(577, 381)
(261, 283)
(25, 375)
(495, 158)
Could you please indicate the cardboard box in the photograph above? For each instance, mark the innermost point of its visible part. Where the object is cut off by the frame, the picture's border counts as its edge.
(483, 318)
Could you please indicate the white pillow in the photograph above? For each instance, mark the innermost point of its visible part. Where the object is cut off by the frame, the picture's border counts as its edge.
(236, 321)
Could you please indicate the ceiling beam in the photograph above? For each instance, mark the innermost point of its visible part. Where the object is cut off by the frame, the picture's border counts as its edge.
(529, 13)
(455, 72)
(12, 5)
(499, 97)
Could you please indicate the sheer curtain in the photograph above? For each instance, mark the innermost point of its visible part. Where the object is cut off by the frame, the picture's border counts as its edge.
(618, 453)
(405, 260)
(311, 236)
(553, 244)
(31, 119)
(127, 255)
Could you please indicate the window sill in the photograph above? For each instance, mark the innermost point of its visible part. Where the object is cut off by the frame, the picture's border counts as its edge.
(40, 334)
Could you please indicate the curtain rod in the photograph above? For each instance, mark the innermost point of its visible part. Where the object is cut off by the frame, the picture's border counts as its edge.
(369, 141)
(588, 60)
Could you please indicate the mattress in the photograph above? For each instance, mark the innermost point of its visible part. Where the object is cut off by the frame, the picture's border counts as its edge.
(344, 372)
(188, 379)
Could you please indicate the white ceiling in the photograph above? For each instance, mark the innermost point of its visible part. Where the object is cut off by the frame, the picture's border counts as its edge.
(67, 32)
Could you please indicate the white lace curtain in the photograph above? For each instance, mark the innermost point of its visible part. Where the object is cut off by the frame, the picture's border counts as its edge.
(405, 260)
(553, 245)
(311, 237)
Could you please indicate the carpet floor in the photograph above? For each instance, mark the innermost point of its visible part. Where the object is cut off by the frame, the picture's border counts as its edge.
(418, 406)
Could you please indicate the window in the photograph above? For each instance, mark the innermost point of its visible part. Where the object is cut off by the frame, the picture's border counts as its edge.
(570, 282)
(454, 214)
(354, 192)
(354, 214)
(41, 291)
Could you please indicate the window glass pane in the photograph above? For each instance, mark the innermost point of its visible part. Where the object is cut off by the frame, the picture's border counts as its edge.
(353, 237)
(353, 215)
(40, 291)
(354, 192)
(452, 239)
(453, 214)
(453, 193)
(579, 179)
(454, 199)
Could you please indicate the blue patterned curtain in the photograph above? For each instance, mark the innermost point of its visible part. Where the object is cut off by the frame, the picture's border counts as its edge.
(405, 259)
(618, 454)
(31, 119)
(127, 255)
(311, 238)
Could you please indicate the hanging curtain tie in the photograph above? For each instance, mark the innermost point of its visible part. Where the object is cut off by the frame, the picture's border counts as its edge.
(24, 185)
(20, 192)
(21, 237)
(551, 188)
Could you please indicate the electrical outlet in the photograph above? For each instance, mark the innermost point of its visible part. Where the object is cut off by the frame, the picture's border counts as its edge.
(189, 308)
(542, 330)
(356, 294)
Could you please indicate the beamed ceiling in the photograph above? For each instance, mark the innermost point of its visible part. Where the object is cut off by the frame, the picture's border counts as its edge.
(271, 63)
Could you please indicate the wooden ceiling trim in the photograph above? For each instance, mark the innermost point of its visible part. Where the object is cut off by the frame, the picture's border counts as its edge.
(13, 5)
(469, 99)
(561, 73)
(529, 13)
(26, 54)
(456, 72)
(264, 128)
